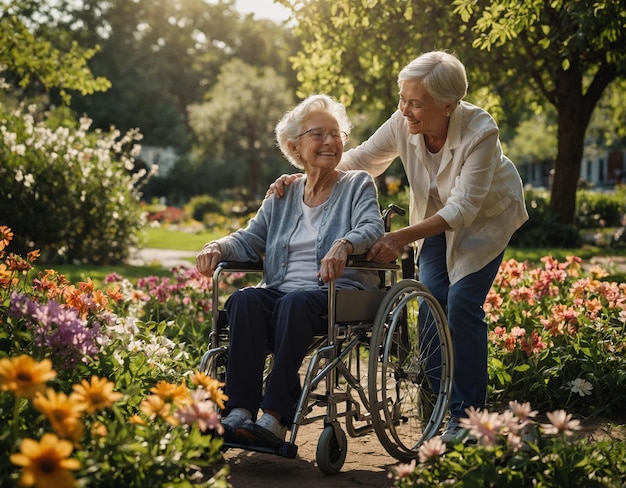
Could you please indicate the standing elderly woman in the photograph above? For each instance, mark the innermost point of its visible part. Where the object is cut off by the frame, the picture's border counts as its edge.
(304, 239)
(467, 200)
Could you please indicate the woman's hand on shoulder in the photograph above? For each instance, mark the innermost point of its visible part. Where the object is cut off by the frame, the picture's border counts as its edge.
(278, 187)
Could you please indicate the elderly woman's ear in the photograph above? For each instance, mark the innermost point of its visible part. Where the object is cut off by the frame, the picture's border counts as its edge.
(293, 149)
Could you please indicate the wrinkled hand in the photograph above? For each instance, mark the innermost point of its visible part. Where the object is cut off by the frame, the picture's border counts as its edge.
(333, 264)
(385, 250)
(208, 258)
(278, 187)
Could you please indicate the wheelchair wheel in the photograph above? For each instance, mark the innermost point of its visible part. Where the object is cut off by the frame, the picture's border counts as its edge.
(410, 369)
(332, 448)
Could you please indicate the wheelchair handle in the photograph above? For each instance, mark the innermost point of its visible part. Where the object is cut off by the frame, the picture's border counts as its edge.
(391, 210)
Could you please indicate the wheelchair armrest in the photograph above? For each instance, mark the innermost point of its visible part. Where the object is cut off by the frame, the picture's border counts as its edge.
(240, 266)
(358, 261)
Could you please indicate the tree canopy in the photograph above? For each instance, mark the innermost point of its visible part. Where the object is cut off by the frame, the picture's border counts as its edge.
(235, 128)
(520, 55)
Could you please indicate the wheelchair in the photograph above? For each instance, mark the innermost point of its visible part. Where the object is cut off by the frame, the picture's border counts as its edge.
(385, 365)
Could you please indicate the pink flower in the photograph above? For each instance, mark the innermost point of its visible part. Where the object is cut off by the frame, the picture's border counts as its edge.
(482, 425)
(200, 411)
(560, 423)
(432, 448)
(522, 410)
(532, 345)
(402, 470)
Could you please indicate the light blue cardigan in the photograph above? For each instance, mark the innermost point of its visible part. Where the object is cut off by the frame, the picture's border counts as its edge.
(351, 212)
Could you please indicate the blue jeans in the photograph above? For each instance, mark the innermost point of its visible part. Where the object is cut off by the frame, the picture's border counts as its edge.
(463, 304)
(262, 320)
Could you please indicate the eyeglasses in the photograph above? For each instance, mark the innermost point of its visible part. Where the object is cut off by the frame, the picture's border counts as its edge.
(319, 134)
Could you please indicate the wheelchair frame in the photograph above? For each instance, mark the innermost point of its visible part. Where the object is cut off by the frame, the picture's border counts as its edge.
(409, 369)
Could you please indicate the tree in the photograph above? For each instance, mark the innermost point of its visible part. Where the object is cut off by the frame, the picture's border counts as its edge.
(354, 50)
(237, 123)
(163, 55)
(569, 51)
(33, 59)
(533, 52)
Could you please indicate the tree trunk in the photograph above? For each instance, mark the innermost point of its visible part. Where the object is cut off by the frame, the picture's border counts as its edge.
(574, 109)
(571, 133)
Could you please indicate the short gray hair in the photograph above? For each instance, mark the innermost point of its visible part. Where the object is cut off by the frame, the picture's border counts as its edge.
(292, 124)
(442, 74)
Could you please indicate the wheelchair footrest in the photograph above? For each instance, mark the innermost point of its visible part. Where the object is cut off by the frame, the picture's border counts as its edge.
(286, 449)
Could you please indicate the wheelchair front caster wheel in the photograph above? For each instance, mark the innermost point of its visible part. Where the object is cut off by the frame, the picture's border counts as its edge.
(332, 448)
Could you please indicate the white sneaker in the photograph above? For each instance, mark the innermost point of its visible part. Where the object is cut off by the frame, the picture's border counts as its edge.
(235, 419)
(453, 431)
(266, 431)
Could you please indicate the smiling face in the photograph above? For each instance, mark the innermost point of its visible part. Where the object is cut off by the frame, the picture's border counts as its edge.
(315, 151)
(422, 113)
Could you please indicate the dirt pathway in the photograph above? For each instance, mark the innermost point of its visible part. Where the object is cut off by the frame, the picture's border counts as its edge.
(367, 465)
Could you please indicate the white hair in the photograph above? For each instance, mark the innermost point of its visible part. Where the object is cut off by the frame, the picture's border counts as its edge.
(292, 123)
(442, 74)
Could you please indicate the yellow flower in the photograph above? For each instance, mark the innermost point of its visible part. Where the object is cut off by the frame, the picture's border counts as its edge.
(136, 420)
(24, 376)
(154, 406)
(46, 463)
(212, 386)
(6, 236)
(98, 429)
(63, 412)
(170, 392)
(96, 395)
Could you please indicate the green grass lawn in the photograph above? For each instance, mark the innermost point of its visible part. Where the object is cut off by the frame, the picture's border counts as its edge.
(163, 238)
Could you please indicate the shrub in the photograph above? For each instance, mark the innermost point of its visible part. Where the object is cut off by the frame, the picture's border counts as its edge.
(542, 228)
(201, 205)
(595, 209)
(67, 192)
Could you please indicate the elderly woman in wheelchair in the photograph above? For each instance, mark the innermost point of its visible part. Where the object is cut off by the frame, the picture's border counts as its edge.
(304, 240)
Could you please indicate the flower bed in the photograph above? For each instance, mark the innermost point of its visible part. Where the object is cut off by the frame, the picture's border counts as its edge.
(95, 392)
(100, 387)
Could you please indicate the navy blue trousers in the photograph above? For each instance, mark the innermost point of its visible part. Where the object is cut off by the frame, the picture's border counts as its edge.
(463, 303)
(262, 320)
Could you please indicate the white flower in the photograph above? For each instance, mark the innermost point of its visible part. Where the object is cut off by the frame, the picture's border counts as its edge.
(580, 386)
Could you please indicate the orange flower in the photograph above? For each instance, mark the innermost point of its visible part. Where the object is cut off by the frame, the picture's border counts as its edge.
(96, 395)
(46, 463)
(212, 386)
(33, 255)
(51, 283)
(154, 406)
(18, 263)
(115, 294)
(136, 420)
(172, 393)
(6, 236)
(24, 376)
(98, 429)
(63, 412)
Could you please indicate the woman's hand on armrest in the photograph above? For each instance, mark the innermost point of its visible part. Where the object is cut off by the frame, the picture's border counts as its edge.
(333, 264)
(208, 258)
